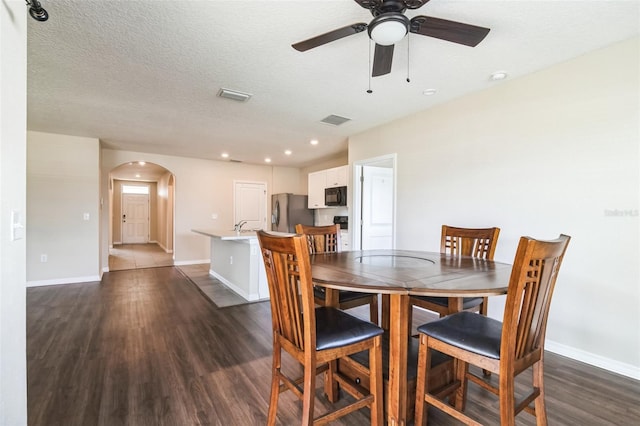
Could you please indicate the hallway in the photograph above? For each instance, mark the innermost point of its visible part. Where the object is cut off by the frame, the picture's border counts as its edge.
(137, 256)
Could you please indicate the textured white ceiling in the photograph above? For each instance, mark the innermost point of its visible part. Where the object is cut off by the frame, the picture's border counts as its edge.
(143, 75)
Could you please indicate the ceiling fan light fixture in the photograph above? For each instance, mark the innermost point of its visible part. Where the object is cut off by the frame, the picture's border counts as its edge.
(388, 28)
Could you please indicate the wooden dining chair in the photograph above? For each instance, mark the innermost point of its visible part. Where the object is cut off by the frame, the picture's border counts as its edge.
(326, 239)
(315, 337)
(507, 348)
(476, 242)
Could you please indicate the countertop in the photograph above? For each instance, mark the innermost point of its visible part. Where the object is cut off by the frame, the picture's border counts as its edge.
(227, 234)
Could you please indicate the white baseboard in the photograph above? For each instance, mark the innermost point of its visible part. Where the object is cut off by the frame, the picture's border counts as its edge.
(614, 366)
(235, 288)
(58, 281)
(190, 262)
(162, 246)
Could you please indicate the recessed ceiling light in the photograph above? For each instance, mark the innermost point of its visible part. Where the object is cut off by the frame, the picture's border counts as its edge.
(314, 142)
(287, 152)
(429, 92)
(267, 160)
(498, 75)
(142, 163)
(224, 155)
(137, 175)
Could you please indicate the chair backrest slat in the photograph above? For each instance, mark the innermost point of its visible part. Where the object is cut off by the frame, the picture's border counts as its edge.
(533, 278)
(321, 239)
(476, 242)
(288, 271)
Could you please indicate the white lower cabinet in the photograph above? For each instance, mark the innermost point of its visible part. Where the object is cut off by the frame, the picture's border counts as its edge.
(345, 241)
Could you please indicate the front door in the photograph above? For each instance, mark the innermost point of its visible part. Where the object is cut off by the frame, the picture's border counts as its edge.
(135, 218)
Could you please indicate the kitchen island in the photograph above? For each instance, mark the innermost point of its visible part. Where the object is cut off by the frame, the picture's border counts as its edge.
(236, 261)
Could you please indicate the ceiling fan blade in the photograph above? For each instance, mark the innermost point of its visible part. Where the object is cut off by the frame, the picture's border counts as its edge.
(382, 59)
(456, 32)
(329, 37)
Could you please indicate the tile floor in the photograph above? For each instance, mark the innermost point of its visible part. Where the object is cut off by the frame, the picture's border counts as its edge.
(210, 286)
(137, 256)
(134, 256)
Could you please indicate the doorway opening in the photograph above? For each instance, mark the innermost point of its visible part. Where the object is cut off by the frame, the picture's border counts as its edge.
(141, 216)
(374, 201)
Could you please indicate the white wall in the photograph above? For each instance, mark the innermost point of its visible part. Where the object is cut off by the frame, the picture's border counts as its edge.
(541, 155)
(63, 175)
(13, 124)
(287, 180)
(202, 187)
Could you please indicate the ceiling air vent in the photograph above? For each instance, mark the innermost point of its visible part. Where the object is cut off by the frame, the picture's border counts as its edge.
(335, 120)
(234, 95)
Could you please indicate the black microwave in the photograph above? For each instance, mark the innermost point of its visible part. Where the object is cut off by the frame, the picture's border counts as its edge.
(335, 196)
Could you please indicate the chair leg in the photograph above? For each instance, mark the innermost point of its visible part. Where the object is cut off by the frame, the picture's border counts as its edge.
(460, 395)
(424, 363)
(375, 383)
(331, 388)
(275, 386)
(484, 306)
(308, 395)
(538, 382)
(507, 399)
(373, 309)
(483, 310)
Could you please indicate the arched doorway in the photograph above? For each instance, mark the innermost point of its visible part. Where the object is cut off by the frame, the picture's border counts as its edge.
(141, 216)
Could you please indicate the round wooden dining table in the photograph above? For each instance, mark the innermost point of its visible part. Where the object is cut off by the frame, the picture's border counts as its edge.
(397, 274)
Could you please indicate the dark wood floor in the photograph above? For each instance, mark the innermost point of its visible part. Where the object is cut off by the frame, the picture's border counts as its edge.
(145, 347)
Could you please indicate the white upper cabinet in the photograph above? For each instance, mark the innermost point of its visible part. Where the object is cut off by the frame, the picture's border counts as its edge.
(317, 184)
(329, 178)
(337, 176)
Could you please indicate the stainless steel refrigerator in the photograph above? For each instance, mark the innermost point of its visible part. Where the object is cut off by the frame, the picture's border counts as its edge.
(287, 210)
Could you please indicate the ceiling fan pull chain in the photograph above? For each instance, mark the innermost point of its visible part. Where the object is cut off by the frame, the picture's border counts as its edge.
(408, 79)
(369, 69)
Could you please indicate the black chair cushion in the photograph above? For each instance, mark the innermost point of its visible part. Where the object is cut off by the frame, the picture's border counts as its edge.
(345, 296)
(335, 328)
(467, 302)
(437, 358)
(469, 331)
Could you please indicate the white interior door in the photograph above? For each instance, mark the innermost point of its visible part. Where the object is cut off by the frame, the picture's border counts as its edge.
(135, 218)
(250, 204)
(377, 207)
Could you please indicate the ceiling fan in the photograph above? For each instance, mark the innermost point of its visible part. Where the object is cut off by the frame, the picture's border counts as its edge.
(390, 25)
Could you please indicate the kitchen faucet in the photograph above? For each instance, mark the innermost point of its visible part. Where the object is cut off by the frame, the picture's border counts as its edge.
(238, 226)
